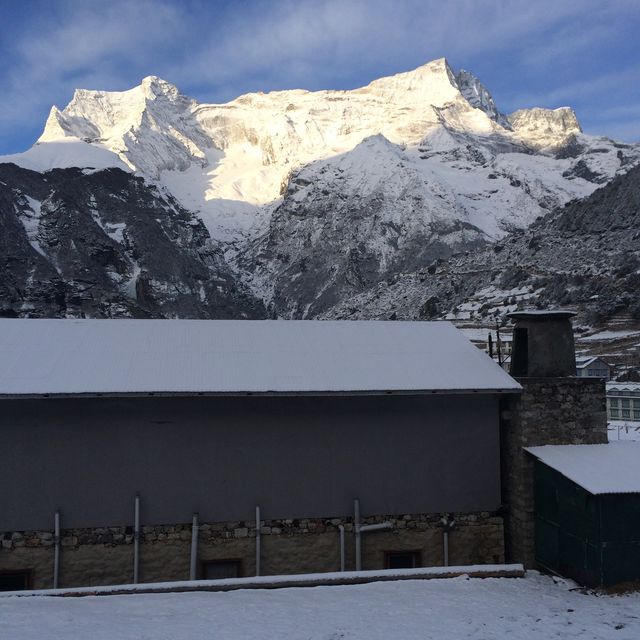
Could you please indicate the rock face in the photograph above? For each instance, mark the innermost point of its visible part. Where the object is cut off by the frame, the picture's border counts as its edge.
(307, 198)
(105, 244)
(346, 223)
(478, 96)
(585, 255)
(545, 128)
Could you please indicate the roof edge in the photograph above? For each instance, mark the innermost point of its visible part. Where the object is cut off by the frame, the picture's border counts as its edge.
(242, 394)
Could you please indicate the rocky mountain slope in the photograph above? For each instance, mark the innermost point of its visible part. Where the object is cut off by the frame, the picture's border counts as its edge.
(307, 198)
(585, 255)
(105, 244)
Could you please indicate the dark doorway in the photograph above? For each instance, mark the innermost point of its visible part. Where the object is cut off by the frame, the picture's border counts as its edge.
(402, 559)
(15, 580)
(220, 569)
(520, 352)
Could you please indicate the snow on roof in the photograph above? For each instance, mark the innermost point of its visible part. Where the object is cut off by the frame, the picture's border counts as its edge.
(609, 335)
(598, 468)
(581, 363)
(235, 356)
(623, 386)
(542, 314)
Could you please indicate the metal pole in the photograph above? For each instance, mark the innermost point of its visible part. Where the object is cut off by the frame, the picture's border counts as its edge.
(447, 526)
(136, 541)
(446, 548)
(257, 541)
(356, 526)
(342, 554)
(56, 549)
(194, 547)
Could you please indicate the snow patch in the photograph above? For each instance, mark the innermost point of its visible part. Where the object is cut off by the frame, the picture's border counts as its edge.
(66, 153)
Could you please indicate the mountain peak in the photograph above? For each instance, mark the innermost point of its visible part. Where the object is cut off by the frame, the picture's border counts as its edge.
(545, 127)
(478, 96)
(433, 68)
(431, 83)
(154, 87)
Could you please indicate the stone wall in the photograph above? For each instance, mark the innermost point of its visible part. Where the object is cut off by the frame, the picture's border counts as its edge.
(102, 556)
(549, 411)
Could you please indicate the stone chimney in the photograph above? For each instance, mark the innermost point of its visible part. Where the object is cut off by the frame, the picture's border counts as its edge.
(543, 344)
(555, 407)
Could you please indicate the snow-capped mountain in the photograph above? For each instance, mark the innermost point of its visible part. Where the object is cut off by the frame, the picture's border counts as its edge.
(314, 196)
(584, 255)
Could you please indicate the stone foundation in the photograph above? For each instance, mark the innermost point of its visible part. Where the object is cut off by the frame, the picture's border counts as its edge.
(103, 556)
(549, 411)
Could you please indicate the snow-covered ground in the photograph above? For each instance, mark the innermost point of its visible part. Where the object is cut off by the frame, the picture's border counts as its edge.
(623, 430)
(535, 607)
(609, 335)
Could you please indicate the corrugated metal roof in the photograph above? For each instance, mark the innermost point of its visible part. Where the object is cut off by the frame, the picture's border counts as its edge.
(581, 363)
(623, 386)
(237, 356)
(598, 468)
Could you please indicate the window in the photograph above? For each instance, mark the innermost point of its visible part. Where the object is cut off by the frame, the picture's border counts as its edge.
(636, 414)
(626, 413)
(220, 569)
(402, 559)
(15, 580)
(625, 402)
(615, 413)
(613, 402)
(520, 354)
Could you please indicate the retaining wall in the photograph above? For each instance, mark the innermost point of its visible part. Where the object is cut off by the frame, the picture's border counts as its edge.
(103, 556)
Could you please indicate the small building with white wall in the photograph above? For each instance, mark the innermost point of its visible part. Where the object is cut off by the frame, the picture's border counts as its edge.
(623, 401)
(592, 367)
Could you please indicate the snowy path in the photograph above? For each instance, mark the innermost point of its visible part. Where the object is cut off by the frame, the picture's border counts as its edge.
(530, 608)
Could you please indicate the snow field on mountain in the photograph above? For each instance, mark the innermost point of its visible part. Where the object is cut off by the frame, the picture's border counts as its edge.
(64, 153)
(230, 162)
(313, 198)
(531, 608)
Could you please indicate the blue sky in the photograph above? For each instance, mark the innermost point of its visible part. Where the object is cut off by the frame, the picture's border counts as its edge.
(582, 53)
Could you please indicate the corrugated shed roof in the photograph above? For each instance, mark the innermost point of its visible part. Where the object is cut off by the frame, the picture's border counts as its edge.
(581, 363)
(623, 386)
(240, 356)
(598, 468)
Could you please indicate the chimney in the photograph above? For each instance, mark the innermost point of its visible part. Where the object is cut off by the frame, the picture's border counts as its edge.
(555, 407)
(543, 345)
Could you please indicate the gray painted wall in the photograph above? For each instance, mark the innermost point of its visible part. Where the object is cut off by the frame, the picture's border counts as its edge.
(221, 456)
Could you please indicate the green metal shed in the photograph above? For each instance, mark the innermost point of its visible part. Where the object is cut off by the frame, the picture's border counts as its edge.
(587, 511)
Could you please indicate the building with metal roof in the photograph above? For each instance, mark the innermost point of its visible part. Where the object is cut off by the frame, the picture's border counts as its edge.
(592, 367)
(73, 357)
(587, 511)
(284, 437)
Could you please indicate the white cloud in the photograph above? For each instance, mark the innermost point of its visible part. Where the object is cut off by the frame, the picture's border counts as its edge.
(292, 38)
(87, 45)
(574, 92)
(218, 50)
